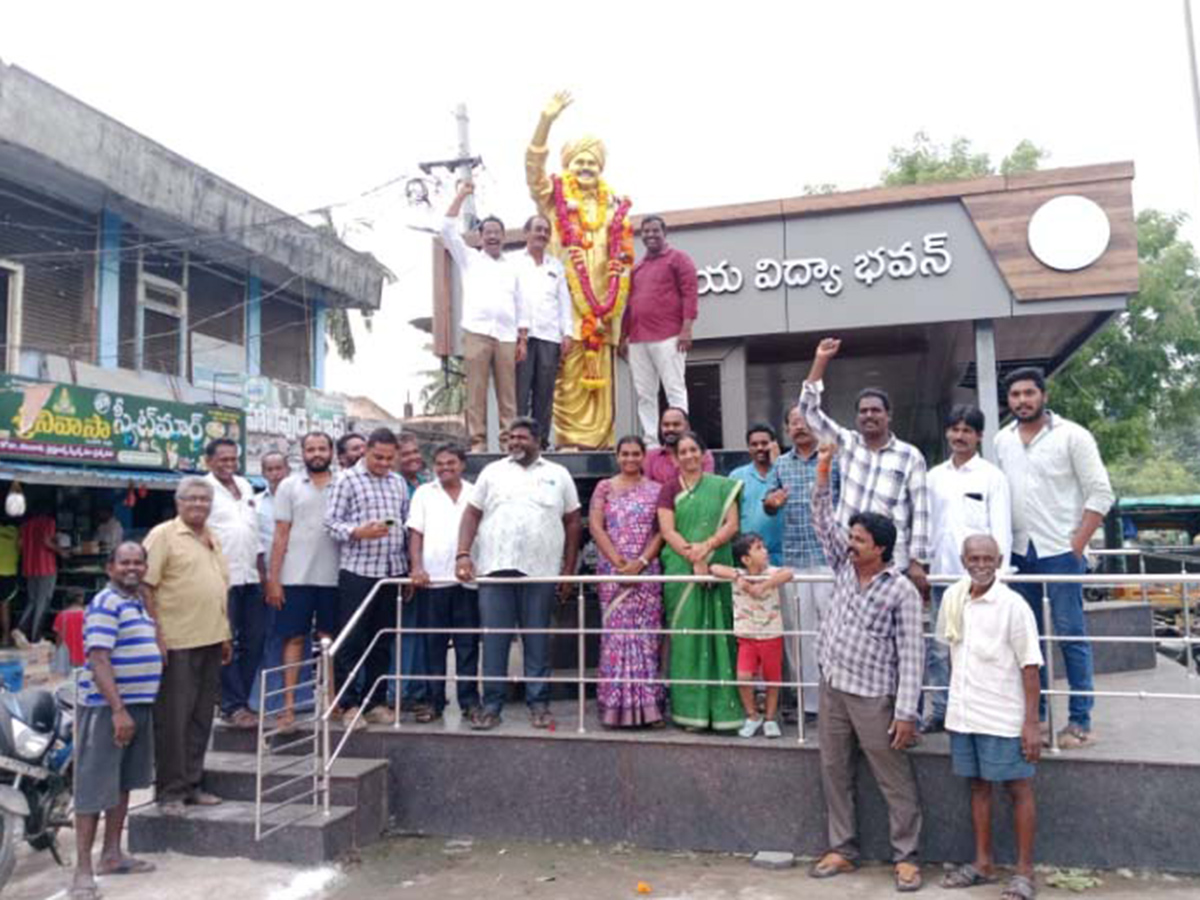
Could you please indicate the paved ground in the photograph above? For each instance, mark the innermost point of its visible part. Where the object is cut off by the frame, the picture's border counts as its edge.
(418, 867)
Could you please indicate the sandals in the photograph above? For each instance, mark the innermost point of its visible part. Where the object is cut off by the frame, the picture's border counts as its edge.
(127, 865)
(484, 721)
(966, 876)
(1019, 888)
(424, 715)
(541, 718)
(908, 877)
(831, 864)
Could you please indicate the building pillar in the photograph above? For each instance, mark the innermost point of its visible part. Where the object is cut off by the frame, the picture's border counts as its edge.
(317, 353)
(254, 325)
(987, 389)
(108, 291)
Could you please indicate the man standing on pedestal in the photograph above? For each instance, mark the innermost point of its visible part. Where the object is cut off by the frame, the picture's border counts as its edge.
(491, 313)
(547, 302)
(657, 331)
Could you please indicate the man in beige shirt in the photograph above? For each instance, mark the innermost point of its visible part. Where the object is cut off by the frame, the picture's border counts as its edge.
(188, 579)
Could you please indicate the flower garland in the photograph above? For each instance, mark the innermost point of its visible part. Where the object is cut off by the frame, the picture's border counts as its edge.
(575, 234)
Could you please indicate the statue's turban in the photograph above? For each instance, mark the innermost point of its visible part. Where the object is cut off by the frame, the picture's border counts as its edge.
(588, 142)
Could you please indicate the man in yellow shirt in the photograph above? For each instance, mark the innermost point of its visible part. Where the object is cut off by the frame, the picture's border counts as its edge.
(188, 580)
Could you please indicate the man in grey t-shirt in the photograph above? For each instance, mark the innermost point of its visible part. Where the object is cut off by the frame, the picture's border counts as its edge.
(303, 574)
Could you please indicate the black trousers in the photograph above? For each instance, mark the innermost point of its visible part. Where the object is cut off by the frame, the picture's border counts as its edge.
(451, 607)
(536, 375)
(183, 717)
(352, 590)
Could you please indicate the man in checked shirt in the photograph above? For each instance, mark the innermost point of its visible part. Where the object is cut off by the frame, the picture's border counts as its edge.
(871, 654)
(880, 472)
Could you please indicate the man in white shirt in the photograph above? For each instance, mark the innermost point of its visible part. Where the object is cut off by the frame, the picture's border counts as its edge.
(967, 495)
(433, 522)
(234, 520)
(494, 323)
(1060, 495)
(525, 512)
(109, 532)
(992, 716)
(547, 303)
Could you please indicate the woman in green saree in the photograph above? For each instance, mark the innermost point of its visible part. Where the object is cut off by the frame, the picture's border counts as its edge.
(698, 517)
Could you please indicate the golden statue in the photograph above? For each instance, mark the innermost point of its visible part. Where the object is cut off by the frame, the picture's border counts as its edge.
(593, 238)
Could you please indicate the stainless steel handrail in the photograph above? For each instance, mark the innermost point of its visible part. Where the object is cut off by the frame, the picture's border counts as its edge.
(329, 647)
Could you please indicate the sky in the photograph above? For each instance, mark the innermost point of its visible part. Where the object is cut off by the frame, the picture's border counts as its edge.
(699, 104)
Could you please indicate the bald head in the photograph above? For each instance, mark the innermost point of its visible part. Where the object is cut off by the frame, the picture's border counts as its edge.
(981, 559)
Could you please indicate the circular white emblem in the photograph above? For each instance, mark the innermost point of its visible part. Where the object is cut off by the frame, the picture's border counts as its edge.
(1068, 233)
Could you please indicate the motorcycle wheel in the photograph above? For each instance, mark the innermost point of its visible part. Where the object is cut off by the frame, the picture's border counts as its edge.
(12, 829)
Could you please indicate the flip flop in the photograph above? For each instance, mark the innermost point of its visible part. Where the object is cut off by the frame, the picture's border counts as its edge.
(966, 876)
(129, 865)
(84, 892)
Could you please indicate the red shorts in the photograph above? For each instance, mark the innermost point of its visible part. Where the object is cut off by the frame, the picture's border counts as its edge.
(767, 653)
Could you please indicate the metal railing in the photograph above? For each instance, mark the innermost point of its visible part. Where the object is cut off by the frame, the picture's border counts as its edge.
(328, 695)
(279, 770)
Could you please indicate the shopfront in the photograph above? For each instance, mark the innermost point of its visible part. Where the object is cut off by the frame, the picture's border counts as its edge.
(90, 456)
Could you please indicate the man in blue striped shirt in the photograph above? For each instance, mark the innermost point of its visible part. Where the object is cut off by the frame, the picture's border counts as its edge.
(114, 730)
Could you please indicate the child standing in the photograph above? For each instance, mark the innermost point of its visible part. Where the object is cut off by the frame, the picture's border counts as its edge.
(758, 626)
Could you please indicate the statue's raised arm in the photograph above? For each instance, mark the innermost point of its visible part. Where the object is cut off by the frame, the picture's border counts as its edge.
(540, 186)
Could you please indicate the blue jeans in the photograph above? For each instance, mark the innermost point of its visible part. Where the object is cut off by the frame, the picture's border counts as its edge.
(1066, 615)
(248, 621)
(937, 664)
(516, 606)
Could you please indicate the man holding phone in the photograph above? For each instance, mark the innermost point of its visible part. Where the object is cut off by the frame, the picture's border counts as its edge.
(365, 515)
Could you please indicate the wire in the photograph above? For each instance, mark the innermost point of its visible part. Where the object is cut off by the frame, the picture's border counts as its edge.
(199, 239)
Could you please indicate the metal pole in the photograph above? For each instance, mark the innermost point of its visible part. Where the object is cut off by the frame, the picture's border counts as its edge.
(399, 654)
(260, 750)
(1048, 631)
(1187, 626)
(799, 657)
(1142, 571)
(319, 704)
(986, 388)
(464, 170)
(581, 618)
(326, 712)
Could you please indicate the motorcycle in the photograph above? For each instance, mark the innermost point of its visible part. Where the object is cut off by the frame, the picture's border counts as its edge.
(36, 771)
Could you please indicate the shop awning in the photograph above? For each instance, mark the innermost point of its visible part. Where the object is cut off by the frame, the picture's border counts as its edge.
(88, 476)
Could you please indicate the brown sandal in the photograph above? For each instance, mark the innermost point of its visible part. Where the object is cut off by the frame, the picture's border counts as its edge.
(831, 864)
(908, 877)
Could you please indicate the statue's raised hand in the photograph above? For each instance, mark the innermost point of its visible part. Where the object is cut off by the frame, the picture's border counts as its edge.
(557, 104)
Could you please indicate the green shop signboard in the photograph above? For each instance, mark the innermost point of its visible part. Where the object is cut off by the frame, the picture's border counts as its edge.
(64, 423)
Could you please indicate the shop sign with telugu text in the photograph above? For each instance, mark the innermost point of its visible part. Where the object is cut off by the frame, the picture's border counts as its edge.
(68, 424)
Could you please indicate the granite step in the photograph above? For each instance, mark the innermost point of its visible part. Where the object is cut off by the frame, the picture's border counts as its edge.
(227, 830)
(359, 784)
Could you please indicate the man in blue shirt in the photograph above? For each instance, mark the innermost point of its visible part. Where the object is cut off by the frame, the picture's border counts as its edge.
(759, 509)
(114, 726)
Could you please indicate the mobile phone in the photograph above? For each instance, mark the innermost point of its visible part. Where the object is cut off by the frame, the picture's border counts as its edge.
(389, 522)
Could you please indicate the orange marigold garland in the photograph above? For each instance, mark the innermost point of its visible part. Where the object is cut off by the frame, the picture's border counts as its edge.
(574, 231)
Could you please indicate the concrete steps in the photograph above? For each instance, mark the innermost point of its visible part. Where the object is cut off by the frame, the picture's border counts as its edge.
(228, 830)
(358, 813)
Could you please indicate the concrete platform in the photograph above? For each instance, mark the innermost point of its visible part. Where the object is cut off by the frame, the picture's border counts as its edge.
(1128, 801)
(228, 830)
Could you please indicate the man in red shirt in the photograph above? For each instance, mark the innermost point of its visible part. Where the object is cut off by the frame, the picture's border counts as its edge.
(656, 331)
(39, 565)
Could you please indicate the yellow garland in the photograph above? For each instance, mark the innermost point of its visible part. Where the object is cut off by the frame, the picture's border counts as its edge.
(574, 197)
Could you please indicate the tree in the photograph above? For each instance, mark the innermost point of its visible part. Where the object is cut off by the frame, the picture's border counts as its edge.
(445, 390)
(1134, 382)
(925, 162)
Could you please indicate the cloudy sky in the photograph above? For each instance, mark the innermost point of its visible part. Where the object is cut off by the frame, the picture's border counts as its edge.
(308, 104)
